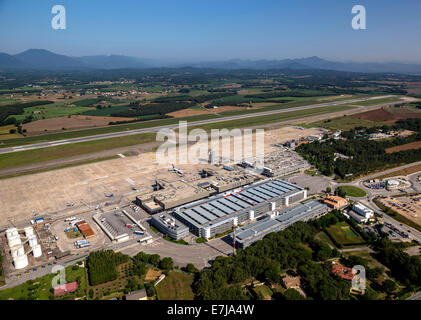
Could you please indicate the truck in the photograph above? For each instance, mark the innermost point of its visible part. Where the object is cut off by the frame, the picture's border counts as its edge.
(139, 233)
(83, 245)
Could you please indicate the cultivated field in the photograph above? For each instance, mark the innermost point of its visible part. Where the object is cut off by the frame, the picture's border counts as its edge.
(408, 146)
(384, 115)
(68, 123)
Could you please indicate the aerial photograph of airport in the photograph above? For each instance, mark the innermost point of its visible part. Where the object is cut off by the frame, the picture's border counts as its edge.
(210, 151)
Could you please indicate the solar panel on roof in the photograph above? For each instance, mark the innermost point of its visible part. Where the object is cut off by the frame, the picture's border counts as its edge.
(204, 213)
(253, 197)
(214, 211)
(221, 207)
(230, 204)
(195, 216)
(267, 192)
(245, 199)
(259, 194)
(239, 202)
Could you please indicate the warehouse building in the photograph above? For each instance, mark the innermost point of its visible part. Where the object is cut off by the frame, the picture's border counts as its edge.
(218, 214)
(170, 226)
(278, 221)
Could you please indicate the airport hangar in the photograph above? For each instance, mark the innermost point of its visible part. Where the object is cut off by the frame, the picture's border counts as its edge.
(218, 214)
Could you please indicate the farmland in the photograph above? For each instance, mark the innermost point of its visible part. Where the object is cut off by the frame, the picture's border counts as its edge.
(408, 146)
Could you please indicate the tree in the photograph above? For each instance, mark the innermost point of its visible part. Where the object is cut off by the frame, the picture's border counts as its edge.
(328, 190)
(190, 268)
(389, 286)
(166, 263)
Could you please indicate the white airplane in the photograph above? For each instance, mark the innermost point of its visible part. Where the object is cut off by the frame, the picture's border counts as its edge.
(174, 169)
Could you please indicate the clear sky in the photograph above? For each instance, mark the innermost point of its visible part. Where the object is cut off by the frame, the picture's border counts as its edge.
(193, 30)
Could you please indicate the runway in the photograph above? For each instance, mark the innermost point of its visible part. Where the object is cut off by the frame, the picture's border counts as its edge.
(194, 123)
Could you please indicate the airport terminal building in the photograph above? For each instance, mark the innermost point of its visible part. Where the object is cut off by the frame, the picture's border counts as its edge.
(304, 211)
(218, 214)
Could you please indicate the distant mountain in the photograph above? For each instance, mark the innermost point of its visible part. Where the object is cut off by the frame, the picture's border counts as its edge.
(9, 61)
(46, 60)
(43, 59)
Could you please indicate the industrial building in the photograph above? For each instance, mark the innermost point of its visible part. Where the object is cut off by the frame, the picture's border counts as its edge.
(283, 162)
(218, 214)
(278, 221)
(335, 202)
(170, 226)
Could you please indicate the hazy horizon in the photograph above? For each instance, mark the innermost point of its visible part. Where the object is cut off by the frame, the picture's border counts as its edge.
(187, 30)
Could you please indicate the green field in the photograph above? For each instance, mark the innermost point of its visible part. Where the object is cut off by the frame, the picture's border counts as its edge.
(54, 110)
(352, 191)
(175, 286)
(40, 288)
(264, 291)
(22, 158)
(343, 234)
(344, 123)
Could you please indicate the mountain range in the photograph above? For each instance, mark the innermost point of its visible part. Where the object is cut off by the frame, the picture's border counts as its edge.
(47, 60)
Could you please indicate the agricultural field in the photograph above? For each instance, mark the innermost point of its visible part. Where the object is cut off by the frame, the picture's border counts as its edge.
(5, 132)
(175, 286)
(344, 235)
(385, 115)
(408, 146)
(54, 110)
(67, 123)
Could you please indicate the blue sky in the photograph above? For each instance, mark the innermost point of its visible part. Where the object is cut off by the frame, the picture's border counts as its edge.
(191, 30)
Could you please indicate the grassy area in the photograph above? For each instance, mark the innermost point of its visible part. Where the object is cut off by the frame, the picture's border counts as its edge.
(402, 172)
(181, 241)
(264, 291)
(40, 289)
(352, 191)
(176, 286)
(343, 123)
(343, 234)
(58, 109)
(5, 133)
(15, 159)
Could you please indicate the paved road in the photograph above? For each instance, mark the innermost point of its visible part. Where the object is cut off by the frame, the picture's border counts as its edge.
(194, 123)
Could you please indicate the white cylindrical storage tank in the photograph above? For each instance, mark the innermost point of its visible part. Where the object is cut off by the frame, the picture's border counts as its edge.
(36, 250)
(29, 232)
(11, 232)
(20, 262)
(33, 241)
(14, 241)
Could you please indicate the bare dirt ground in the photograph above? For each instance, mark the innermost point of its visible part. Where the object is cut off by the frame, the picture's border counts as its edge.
(408, 146)
(152, 274)
(69, 123)
(384, 115)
